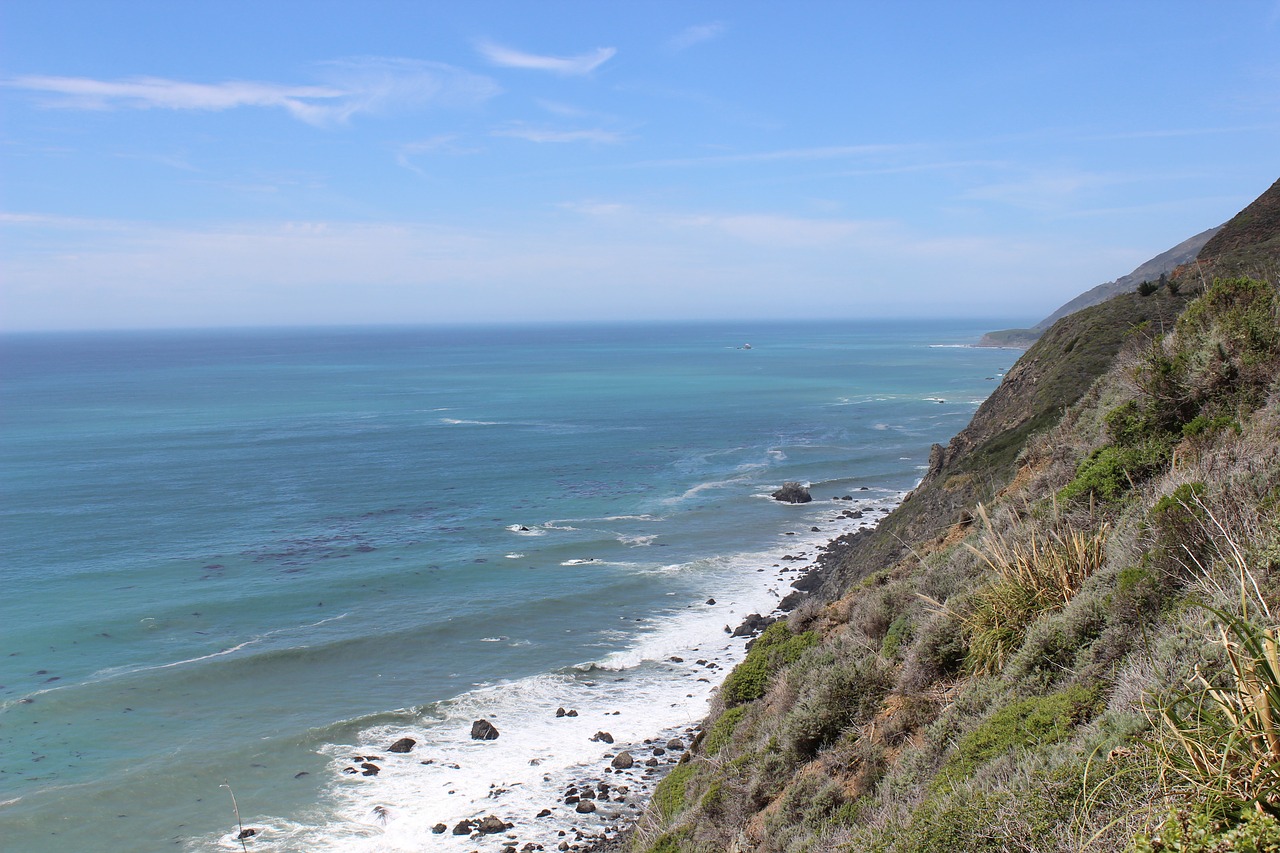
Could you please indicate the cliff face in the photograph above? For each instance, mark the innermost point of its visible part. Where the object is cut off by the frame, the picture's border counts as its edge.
(987, 670)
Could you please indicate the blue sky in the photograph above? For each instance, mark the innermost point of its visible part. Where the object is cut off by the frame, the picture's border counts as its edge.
(291, 163)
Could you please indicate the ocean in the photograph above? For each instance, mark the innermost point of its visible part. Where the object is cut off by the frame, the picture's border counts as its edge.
(244, 563)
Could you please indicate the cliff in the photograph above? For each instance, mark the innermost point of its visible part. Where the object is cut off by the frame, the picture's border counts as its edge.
(1059, 640)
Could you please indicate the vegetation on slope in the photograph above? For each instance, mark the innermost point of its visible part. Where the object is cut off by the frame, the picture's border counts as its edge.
(1073, 645)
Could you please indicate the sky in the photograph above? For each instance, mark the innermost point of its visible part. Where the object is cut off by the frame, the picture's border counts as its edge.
(202, 164)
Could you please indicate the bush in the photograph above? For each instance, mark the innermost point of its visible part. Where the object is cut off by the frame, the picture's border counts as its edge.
(1197, 832)
(669, 796)
(1024, 724)
(1112, 470)
(897, 637)
(846, 695)
(776, 647)
(721, 731)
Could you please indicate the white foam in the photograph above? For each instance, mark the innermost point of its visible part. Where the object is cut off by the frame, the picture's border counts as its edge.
(537, 755)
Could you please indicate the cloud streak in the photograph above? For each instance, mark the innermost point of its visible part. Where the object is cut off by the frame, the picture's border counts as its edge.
(690, 36)
(569, 66)
(365, 85)
(533, 134)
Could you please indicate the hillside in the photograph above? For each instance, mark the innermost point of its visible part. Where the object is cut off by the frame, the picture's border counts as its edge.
(1062, 639)
(1161, 265)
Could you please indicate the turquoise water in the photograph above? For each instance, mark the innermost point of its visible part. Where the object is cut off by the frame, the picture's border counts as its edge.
(236, 556)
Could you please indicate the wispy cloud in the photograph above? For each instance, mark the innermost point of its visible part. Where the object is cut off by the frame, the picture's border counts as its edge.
(364, 85)
(570, 66)
(443, 143)
(831, 152)
(535, 134)
(690, 36)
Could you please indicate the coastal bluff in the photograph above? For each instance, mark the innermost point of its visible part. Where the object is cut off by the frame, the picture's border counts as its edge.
(994, 660)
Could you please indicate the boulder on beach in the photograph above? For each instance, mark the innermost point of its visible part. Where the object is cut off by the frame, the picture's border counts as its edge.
(492, 824)
(585, 807)
(405, 744)
(675, 744)
(464, 827)
(483, 730)
(623, 761)
(793, 493)
(439, 829)
(603, 737)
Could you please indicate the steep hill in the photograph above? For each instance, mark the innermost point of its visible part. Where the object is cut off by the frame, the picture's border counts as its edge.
(1020, 657)
(1161, 265)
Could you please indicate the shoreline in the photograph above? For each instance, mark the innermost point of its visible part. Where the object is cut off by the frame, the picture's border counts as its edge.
(531, 786)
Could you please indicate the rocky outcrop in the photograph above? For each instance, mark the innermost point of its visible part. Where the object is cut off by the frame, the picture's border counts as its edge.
(793, 493)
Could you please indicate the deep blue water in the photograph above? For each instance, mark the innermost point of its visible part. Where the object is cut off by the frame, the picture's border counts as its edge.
(227, 552)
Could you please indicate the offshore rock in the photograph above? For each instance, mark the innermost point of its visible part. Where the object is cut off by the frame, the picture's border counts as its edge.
(602, 737)
(793, 493)
(405, 744)
(483, 730)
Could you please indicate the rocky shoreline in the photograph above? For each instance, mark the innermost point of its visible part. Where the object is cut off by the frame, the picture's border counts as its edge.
(620, 805)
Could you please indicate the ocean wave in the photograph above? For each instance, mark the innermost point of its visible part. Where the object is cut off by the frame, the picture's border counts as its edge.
(649, 689)
(466, 422)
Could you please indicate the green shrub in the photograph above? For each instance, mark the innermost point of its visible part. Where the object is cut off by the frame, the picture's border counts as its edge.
(897, 637)
(1110, 471)
(721, 731)
(776, 647)
(1204, 426)
(669, 796)
(669, 842)
(1025, 724)
(845, 695)
(1197, 832)
(1178, 527)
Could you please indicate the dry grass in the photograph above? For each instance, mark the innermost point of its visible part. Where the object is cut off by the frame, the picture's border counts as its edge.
(1035, 573)
(1222, 742)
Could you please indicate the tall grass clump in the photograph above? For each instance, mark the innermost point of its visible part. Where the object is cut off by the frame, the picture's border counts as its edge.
(1221, 749)
(1034, 575)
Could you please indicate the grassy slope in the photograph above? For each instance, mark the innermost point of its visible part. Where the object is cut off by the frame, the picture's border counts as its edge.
(941, 694)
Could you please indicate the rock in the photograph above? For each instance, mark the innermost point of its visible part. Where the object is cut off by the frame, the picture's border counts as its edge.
(492, 824)
(585, 807)
(657, 750)
(560, 712)
(439, 829)
(652, 762)
(793, 493)
(675, 744)
(711, 601)
(464, 827)
(370, 769)
(246, 833)
(676, 659)
(405, 744)
(544, 813)
(602, 737)
(791, 601)
(753, 624)
(623, 761)
(483, 730)
(571, 713)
